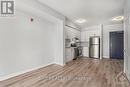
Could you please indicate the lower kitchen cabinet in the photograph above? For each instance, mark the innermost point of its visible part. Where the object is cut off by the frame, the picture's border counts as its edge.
(69, 54)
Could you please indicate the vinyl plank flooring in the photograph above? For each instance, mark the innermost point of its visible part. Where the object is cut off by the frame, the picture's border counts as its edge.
(84, 72)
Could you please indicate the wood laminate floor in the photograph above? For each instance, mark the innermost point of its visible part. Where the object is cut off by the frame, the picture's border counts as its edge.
(79, 73)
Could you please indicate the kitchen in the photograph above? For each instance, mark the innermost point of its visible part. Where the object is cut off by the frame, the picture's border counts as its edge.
(102, 31)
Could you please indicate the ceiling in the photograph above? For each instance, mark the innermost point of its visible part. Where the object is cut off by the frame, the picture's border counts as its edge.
(94, 11)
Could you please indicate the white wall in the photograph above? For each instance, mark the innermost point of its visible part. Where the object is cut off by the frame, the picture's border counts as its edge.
(127, 40)
(95, 30)
(26, 45)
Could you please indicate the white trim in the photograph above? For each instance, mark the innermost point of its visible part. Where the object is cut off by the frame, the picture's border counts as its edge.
(22, 72)
(127, 75)
(61, 64)
(101, 41)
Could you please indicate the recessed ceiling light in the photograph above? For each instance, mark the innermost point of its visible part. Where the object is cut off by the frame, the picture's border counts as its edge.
(118, 18)
(81, 21)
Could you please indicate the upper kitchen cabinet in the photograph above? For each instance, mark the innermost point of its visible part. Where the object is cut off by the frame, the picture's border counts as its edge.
(71, 33)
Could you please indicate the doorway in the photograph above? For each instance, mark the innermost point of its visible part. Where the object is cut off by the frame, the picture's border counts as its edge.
(116, 45)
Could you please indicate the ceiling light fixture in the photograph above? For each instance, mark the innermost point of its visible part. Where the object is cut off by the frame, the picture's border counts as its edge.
(81, 21)
(118, 18)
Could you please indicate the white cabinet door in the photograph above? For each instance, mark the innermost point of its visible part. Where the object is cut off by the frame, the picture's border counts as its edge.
(72, 53)
(68, 54)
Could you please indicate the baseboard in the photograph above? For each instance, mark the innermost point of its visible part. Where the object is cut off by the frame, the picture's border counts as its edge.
(105, 58)
(127, 77)
(22, 72)
(61, 64)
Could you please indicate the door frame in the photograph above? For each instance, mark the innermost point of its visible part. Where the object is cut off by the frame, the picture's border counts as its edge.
(110, 42)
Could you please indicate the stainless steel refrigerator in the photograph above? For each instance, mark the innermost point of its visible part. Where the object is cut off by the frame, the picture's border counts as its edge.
(94, 47)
